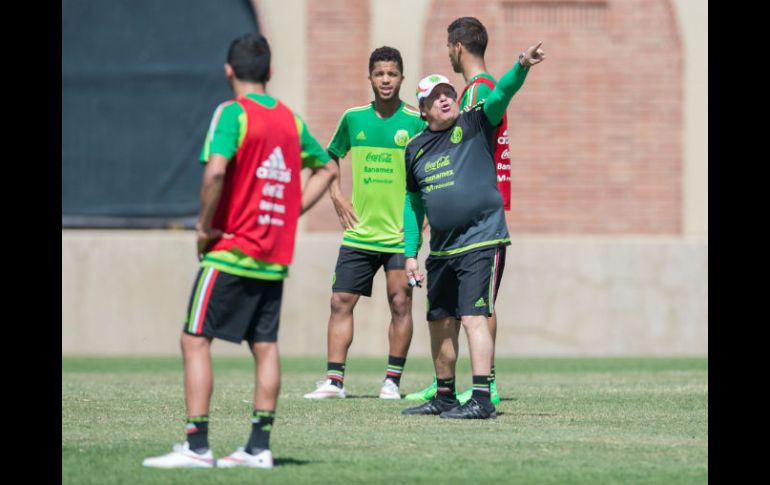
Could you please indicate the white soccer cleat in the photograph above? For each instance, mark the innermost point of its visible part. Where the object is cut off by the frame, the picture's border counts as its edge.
(239, 458)
(326, 390)
(181, 457)
(389, 390)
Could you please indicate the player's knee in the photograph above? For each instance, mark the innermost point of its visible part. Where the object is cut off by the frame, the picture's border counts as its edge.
(473, 322)
(193, 344)
(446, 359)
(400, 305)
(342, 303)
(267, 349)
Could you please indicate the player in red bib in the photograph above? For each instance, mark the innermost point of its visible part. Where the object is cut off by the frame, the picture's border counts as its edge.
(251, 197)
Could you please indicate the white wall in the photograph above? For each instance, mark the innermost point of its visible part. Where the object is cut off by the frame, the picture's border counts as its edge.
(126, 292)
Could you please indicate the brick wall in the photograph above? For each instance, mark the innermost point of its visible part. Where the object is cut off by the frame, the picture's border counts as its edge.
(337, 67)
(596, 131)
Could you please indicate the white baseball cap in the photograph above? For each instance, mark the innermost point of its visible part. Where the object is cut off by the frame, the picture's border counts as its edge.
(426, 85)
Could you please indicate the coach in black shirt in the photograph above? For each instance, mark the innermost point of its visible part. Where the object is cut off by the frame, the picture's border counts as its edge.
(451, 178)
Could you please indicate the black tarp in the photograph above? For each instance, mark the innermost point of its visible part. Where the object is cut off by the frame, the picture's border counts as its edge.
(140, 81)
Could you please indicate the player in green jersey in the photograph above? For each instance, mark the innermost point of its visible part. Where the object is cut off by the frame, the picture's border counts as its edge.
(375, 134)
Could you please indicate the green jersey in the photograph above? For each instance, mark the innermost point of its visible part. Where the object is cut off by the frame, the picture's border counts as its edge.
(476, 91)
(379, 180)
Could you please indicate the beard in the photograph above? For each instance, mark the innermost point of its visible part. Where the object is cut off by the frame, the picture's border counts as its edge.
(456, 67)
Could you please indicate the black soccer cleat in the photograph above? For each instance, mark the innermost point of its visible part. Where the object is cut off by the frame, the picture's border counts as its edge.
(472, 409)
(433, 407)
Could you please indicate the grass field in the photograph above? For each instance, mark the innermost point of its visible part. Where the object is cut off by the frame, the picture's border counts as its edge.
(562, 421)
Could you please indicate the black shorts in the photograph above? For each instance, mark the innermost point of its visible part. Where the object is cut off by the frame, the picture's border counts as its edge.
(356, 268)
(234, 308)
(465, 284)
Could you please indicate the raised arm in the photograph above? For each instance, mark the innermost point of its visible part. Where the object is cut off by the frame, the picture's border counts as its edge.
(498, 100)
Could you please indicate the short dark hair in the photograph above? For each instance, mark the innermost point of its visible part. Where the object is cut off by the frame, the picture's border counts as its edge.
(470, 32)
(386, 53)
(249, 56)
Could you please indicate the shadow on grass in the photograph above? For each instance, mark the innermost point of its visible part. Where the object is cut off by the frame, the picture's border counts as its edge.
(547, 415)
(289, 461)
(362, 396)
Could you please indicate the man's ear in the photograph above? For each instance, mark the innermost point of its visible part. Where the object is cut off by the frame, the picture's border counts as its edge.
(460, 51)
(229, 71)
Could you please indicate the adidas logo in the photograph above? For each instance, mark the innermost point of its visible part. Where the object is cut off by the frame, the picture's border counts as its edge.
(275, 160)
(480, 302)
(361, 135)
(274, 168)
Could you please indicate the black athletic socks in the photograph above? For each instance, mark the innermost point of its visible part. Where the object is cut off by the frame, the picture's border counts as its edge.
(198, 433)
(481, 388)
(261, 425)
(395, 368)
(336, 372)
(446, 388)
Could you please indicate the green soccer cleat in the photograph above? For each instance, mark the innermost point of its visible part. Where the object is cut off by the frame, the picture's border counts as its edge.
(425, 395)
(493, 395)
(463, 398)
